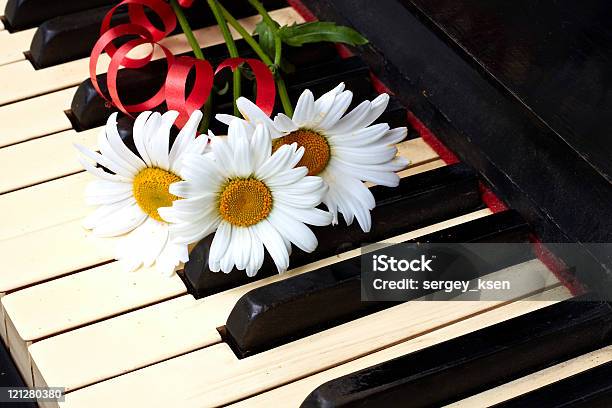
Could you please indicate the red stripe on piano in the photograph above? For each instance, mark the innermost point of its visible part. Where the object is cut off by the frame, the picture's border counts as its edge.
(491, 200)
(557, 267)
(302, 10)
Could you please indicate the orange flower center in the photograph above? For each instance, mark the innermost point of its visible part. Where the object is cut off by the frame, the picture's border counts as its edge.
(245, 202)
(316, 149)
(150, 190)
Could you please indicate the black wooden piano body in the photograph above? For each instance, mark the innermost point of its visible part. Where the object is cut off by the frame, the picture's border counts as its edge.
(520, 92)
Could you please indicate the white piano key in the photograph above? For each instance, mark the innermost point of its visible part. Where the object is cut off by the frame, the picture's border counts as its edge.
(32, 118)
(49, 253)
(61, 200)
(84, 297)
(44, 205)
(47, 158)
(19, 80)
(58, 358)
(215, 376)
(13, 45)
(294, 393)
(537, 380)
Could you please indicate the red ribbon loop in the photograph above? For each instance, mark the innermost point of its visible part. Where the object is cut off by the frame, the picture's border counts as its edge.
(266, 89)
(176, 82)
(111, 79)
(138, 17)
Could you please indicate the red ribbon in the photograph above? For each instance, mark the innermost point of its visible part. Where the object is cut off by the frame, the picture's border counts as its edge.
(175, 87)
(173, 91)
(138, 17)
(266, 90)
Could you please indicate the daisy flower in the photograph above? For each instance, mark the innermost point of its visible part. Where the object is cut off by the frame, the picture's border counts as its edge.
(344, 150)
(251, 197)
(131, 188)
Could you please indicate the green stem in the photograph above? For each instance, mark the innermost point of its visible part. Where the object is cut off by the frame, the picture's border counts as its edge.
(246, 36)
(187, 29)
(280, 83)
(278, 44)
(197, 51)
(284, 96)
(231, 48)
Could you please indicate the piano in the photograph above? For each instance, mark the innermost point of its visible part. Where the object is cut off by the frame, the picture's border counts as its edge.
(507, 105)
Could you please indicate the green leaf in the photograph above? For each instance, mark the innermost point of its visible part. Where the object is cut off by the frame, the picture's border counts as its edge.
(266, 38)
(318, 31)
(266, 41)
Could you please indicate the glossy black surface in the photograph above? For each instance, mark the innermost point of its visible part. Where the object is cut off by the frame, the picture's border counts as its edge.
(9, 377)
(419, 200)
(314, 301)
(22, 14)
(472, 363)
(72, 36)
(589, 389)
(555, 56)
(559, 189)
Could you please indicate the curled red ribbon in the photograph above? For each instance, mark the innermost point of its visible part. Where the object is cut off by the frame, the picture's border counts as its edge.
(139, 18)
(266, 89)
(173, 91)
(175, 87)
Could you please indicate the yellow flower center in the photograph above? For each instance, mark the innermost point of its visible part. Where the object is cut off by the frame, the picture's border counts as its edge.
(151, 190)
(316, 154)
(245, 202)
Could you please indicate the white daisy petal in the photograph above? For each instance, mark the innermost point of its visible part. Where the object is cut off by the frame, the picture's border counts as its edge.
(256, 257)
(223, 156)
(273, 242)
(221, 241)
(103, 212)
(322, 108)
(261, 146)
(395, 136)
(242, 151)
(253, 114)
(378, 106)
(161, 141)
(149, 135)
(186, 135)
(119, 147)
(284, 124)
(304, 109)
(98, 172)
(371, 155)
(124, 220)
(103, 161)
(139, 136)
(360, 137)
(109, 153)
(299, 234)
(341, 104)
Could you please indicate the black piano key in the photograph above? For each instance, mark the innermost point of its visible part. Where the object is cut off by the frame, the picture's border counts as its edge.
(69, 37)
(22, 14)
(89, 109)
(419, 200)
(589, 389)
(472, 363)
(72, 36)
(9, 377)
(314, 301)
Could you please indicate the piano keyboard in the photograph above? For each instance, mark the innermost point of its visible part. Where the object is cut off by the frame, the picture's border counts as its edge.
(71, 318)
